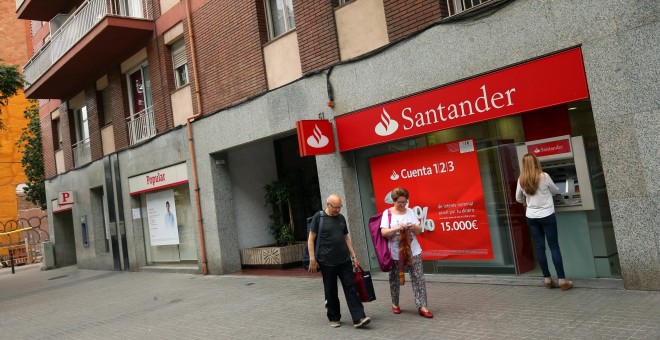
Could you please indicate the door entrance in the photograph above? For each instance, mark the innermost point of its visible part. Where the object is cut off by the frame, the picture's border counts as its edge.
(301, 173)
(64, 245)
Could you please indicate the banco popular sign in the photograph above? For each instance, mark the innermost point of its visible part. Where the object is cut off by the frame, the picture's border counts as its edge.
(536, 84)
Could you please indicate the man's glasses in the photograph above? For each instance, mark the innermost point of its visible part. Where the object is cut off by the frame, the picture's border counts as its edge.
(402, 202)
(335, 207)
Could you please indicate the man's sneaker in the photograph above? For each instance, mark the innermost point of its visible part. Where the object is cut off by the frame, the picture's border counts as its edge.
(335, 324)
(365, 320)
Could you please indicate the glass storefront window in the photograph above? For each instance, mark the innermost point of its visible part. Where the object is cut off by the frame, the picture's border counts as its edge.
(186, 249)
(496, 142)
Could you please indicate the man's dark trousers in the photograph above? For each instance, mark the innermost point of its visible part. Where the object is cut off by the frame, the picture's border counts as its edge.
(345, 274)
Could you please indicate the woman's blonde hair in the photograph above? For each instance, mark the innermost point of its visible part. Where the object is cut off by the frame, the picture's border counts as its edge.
(530, 174)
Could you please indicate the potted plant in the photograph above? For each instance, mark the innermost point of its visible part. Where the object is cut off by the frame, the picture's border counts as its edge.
(285, 253)
(277, 195)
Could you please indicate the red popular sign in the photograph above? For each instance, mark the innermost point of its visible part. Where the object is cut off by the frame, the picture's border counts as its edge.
(446, 194)
(536, 84)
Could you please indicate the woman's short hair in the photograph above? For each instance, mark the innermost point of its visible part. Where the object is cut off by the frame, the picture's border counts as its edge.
(398, 192)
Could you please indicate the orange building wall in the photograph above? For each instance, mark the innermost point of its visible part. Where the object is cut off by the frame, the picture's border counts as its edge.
(13, 39)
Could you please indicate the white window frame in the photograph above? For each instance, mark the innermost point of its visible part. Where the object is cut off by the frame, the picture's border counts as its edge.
(288, 26)
(146, 83)
(58, 122)
(180, 64)
(81, 117)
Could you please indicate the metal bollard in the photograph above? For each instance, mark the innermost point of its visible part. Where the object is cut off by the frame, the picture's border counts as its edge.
(11, 258)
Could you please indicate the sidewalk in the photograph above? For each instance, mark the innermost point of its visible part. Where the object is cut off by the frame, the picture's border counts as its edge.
(68, 303)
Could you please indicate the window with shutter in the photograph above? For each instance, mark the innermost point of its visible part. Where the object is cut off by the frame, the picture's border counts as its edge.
(180, 63)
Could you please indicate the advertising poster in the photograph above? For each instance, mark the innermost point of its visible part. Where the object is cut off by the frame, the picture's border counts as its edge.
(161, 212)
(446, 194)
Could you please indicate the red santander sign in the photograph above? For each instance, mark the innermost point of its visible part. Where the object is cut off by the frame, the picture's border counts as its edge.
(550, 147)
(536, 84)
(315, 137)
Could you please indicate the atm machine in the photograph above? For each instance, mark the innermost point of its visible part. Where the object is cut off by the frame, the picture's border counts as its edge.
(564, 159)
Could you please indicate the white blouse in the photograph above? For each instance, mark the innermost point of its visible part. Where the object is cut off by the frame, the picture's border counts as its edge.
(408, 217)
(540, 204)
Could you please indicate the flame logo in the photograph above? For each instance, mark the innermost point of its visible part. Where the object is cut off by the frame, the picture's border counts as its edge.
(537, 150)
(387, 126)
(317, 139)
(394, 176)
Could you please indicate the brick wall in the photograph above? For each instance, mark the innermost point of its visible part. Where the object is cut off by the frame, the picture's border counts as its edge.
(14, 33)
(317, 33)
(67, 125)
(118, 106)
(228, 42)
(50, 169)
(162, 82)
(405, 17)
(28, 210)
(93, 122)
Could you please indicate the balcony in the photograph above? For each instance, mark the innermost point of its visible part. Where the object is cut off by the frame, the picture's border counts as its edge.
(98, 35)
(141, 126)
(81, 153)
(456, 7)
(42, 10)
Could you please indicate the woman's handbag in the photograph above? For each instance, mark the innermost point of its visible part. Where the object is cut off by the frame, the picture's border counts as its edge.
(381, 247)
(364, 285)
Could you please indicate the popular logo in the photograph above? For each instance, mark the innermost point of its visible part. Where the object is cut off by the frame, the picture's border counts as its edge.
(387, 126)
(317, 139)
(394, 176)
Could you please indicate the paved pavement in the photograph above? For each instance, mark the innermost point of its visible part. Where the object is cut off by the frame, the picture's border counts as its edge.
(69, 303)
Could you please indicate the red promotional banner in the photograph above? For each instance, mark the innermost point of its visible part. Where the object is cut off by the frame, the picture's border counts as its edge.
(446, 194)
(548, 81)
(315, 137)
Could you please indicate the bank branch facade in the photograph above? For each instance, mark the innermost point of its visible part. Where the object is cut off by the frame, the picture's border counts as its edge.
(457, 149)
(183, 137)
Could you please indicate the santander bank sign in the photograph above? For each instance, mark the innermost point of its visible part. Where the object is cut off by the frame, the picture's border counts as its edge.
(536, 84)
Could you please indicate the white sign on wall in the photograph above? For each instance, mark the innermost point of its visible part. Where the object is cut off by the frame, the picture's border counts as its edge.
(161, 213)
(56, 207)
(159, 179)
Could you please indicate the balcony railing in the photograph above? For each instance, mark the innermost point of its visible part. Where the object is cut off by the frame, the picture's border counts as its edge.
(460, 6)
(77, 26)
(81, 153)
(141, 126)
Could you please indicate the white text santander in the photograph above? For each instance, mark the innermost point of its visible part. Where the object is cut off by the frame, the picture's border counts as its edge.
(465, 108)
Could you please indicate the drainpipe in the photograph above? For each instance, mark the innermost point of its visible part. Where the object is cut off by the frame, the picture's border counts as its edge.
(191, 142)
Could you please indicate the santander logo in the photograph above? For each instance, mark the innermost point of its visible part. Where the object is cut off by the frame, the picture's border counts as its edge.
(394, 176)
(317, 139)
(387, 126)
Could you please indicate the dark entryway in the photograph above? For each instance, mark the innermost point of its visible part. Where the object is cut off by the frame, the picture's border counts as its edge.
(301, 173)
(64, 244)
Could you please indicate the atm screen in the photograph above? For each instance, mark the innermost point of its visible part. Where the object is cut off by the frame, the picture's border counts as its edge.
(562, 187)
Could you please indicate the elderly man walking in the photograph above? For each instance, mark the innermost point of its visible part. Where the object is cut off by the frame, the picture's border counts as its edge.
(335, 259)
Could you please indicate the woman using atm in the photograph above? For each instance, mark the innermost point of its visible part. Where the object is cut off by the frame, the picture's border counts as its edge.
(535, 190)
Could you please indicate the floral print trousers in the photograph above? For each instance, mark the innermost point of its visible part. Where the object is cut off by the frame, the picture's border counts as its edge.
(416, 276)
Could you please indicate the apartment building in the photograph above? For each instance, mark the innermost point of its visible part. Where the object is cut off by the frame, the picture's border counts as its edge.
(163, 121)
